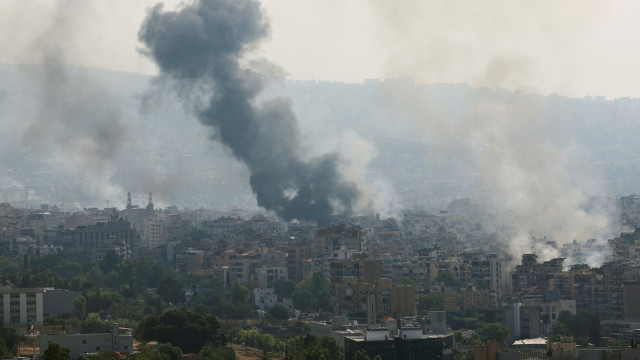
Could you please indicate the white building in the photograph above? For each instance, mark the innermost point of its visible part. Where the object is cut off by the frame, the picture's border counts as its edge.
(120, 340)
(265, 299)
(21, 306)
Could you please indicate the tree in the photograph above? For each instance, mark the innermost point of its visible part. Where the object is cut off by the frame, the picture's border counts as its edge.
(361, 355)
(283, 288)
(595, 332)
(312, 294)
(56, 352)
(240, 300)
(187, 330)
(171, 352)
(430, 302)
(8, 340)
(584, 326)
(310, 347)
(94, 324)
(109, 261)
(171, 290)
(279, 312)
(303, 300)
(253, 338)
(101, 299)
(80, 305)
(495, 331)
(559, 329)
(209, 352)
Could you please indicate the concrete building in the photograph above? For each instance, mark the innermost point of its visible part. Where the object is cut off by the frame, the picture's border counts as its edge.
(363, 270)
(368, 302)
(410, 343)
(332, 237)
(461, 299)
(119, 340)
(22, 306)
(437, 322)
(59, 302)
(96, 240)
(265, 299)
(269, 273)
(155, 232)
(549, 311)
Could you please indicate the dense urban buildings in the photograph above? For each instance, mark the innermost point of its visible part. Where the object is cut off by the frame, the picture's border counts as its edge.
(380, 274)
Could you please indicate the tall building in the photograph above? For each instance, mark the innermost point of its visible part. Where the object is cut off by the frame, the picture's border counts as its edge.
(96, 240)
(369, 302)
(332, 237)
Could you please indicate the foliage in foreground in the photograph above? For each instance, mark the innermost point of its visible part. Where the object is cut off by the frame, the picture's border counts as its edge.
(312, 347)
(189, 331)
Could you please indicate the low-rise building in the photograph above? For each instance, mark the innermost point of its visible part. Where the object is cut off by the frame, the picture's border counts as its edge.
(119, 340)
(410, 343)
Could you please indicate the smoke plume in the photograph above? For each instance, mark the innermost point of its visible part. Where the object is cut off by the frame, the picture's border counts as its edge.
(68, 123)
(200, 50)
(511, 137)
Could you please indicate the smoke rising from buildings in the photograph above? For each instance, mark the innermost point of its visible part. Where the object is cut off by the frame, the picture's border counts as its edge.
(67, 122)
(200, 50)
(509, 140)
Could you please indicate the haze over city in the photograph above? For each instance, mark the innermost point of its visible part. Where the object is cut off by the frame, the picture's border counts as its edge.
(319, 179)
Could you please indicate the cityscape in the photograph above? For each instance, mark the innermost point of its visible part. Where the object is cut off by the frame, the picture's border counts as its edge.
(456, 183)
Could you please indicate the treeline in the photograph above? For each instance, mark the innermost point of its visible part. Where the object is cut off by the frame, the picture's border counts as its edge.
(150, 297)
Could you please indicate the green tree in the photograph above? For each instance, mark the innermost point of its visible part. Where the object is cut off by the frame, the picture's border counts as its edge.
(187, 330)
(255, 339)
(56, 352)
(101, 299)
(171, 290)
(95, 276)
(171, 352)
(496, 331)
(430, 302)
(109, 261)
(8, 340)
(68, 269)
(279, 312)
(105, 355)
(80, 305)
(283, 288)
(240, 300)
(303, 300)
(4, 349)
(310, 347)
(94, 324)
(584, 326)
(559, 329)
(313, 294)
(209, 352)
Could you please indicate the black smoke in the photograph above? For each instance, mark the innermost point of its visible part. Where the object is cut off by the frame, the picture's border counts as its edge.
(199, 50)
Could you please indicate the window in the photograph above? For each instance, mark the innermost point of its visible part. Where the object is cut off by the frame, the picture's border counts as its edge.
(84, 341)
(97, 348)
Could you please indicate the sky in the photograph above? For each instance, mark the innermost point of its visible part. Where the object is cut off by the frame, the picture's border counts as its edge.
(548, 46)
(73, 124)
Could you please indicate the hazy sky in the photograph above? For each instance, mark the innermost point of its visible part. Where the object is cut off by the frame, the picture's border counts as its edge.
(548, 46)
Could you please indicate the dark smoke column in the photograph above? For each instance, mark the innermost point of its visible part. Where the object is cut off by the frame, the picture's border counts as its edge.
(198, 50)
